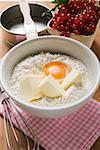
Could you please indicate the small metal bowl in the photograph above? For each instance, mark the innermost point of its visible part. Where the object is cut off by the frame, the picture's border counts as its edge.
(12, 23)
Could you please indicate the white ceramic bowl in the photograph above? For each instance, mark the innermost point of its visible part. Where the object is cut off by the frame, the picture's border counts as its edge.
(55, 44)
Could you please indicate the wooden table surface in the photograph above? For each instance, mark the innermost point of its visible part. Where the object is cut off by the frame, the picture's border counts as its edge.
(3, 50)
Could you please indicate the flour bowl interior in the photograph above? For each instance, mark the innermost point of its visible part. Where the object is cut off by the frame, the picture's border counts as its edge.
(52, 44)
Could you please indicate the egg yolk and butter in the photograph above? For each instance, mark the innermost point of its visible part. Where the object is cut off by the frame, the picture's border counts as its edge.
(34, 87)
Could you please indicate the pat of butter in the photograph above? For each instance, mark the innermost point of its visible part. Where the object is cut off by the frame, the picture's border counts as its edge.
(69, 91)
(51, 87)
(72, 78)
(29, 86)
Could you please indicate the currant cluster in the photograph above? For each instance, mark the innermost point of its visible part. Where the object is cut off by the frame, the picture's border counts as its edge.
(78, 16)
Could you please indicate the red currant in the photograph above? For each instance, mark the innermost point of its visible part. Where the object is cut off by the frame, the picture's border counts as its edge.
(81, 24)
(58, 19)
(61, 27)
(63, 9)
(63, 16)
(77, 32)
(79, 17)
(54, 26)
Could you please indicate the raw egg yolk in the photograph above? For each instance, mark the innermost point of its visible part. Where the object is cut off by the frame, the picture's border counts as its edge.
(57, 69)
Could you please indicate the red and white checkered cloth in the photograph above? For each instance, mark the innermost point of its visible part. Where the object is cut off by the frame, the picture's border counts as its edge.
(75, 132)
